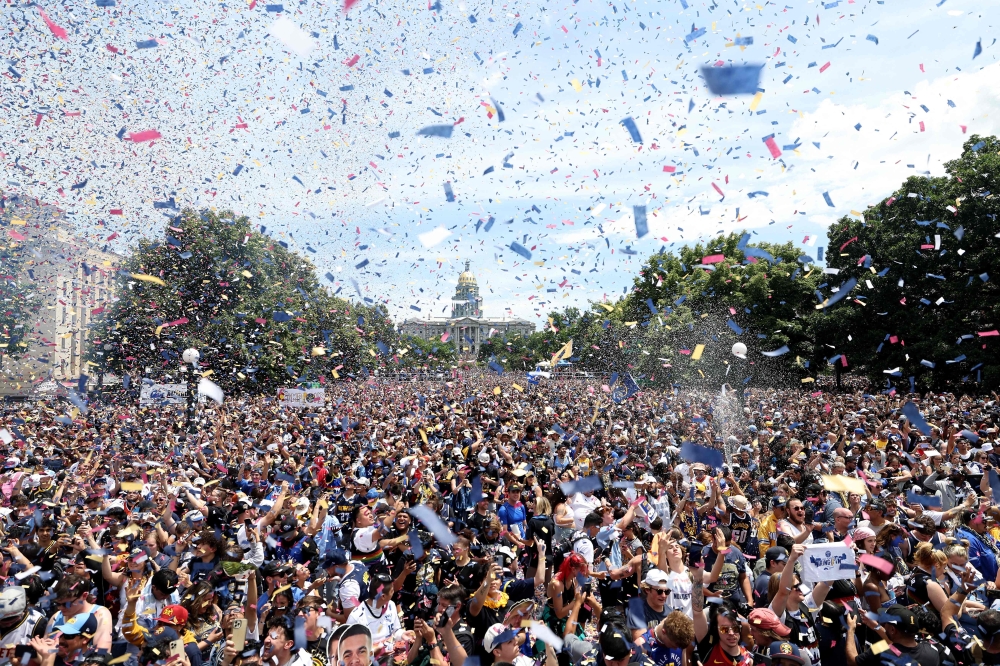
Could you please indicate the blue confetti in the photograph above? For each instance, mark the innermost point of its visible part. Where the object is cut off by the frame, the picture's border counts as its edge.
(437, 130)
(641, 227)
(520, 249)
(738, 80)
(633, 131)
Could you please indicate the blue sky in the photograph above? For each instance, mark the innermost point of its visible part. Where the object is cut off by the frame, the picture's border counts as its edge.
(325, 127)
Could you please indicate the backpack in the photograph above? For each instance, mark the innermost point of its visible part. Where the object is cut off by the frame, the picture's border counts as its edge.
(564, 548)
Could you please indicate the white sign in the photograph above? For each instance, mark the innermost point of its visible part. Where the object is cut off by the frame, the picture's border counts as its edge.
(163, 394)
(828, 562)
(301, 398)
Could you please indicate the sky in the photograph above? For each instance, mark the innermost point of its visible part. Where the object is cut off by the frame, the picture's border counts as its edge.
(308, 117)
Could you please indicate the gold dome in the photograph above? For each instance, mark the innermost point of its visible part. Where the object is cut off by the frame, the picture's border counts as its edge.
(467, 278)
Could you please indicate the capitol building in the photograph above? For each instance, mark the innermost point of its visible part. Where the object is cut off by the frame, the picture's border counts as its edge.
(467, 327)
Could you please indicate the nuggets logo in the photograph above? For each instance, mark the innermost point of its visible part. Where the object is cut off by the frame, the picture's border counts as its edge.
(828, 560)
(786, 648)
(168, 612)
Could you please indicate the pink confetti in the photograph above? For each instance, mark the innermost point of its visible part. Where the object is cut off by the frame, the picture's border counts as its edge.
(353, 61)
(713, 259)
(348, 4)
(718, 190)
(670, 169)
(148, 135)
(16, 236)
(445, 336)
(824, 68)
(59, 33)
(876, 563)
(772, 146)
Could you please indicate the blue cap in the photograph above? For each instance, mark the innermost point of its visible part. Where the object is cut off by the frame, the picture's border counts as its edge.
(336, 557)
(84, 624)
(785, 650)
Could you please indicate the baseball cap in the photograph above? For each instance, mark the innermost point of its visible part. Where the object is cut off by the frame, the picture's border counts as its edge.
(336, 557)
(615, 643)
(656, 578)
(497, 635)
(785, 650)
(287, 526)
(764, 619)
(275, 569)
(778, 502)
(13, 601)
(175, 615)
(84, 624)
(901, 616)
(775, 554)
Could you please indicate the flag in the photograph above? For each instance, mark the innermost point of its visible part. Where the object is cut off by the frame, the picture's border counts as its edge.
(624, 389)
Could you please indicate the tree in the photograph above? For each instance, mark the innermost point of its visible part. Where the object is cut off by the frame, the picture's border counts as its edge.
(20, 303)
(420, 354)
(765, 290)
(925, 263)
(254, 309)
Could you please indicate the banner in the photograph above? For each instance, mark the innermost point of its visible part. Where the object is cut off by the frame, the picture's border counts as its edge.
(301, 398)
(163, 394)
(825, 562)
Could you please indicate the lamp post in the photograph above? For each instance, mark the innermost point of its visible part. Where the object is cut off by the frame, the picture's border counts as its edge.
(190, 357)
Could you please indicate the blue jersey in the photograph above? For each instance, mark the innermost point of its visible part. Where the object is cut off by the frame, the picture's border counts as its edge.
(658, 654)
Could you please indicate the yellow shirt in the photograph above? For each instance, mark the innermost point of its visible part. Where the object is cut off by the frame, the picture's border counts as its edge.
(767, 532)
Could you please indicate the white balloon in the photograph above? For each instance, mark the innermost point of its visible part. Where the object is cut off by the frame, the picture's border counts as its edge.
(740, 350)
(191, 356)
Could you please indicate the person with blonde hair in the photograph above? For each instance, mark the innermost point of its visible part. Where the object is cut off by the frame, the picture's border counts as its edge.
(929, 584)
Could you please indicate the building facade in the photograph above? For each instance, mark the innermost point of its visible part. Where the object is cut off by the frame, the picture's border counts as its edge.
(467, 328)
(74, 282)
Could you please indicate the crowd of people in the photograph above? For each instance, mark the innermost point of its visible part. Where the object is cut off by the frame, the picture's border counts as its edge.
(483, 523)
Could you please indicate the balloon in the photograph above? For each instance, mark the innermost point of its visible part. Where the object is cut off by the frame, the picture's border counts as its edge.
(740, 350)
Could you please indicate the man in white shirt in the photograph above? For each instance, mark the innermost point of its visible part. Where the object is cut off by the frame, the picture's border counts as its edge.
(379, 614)
(583, 504)
(795, 524)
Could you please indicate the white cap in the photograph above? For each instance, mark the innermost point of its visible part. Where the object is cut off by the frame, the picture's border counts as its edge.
(656, 578)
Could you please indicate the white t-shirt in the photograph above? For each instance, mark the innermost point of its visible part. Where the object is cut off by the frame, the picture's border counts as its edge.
(583, 506)
(583, 546)
(874, 528)
(365, 540)
(786, 527)
(680, 587)
(381, 626)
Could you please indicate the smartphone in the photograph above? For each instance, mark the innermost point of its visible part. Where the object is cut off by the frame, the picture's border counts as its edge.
(176, 648)
(239, 634)
(22, 650)
(694, 554)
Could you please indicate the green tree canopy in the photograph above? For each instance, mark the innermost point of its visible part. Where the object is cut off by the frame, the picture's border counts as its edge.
(19, 300)
(925, 259)
(254, 309)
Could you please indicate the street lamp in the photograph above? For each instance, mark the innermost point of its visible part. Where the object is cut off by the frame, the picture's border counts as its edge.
(190, 356)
